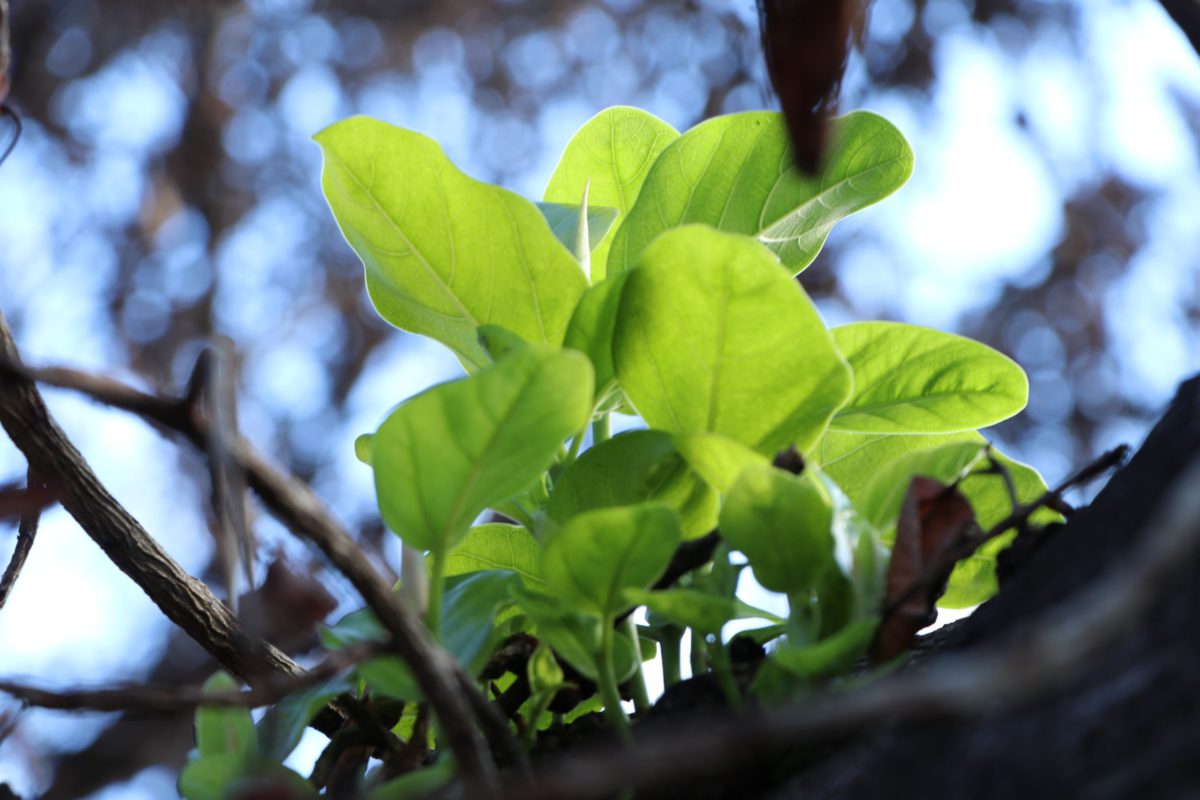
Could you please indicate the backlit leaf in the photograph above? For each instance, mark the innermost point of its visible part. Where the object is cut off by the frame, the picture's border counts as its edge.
(597, 555)
(782, 522)
(910, 379)
(736, 173)
(447, 454)
(712, 337)
(445, 253)
(632, 468)
(611, 154)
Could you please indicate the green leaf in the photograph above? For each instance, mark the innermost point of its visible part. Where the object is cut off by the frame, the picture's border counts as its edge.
(613, 153)
(207, 777)
(224, 729)
(736, 173)
(851, 459)
(828, 657)
(575, 635)
(364, 448)
(386, 674)
(910, 379)
(282, 727)
(543, 672)
(449, 453)
(883, 495)
(470, 609)
(707, 613)
(860, 555)
(497, 546)
(445, 253)
(892, 461)
(563, 219)
(498, 341)
(597, 555)
(591, 330)
(711, 336)
(974, 579)
(718, 459)
(782, 523)
(225, 776)
(632, 468)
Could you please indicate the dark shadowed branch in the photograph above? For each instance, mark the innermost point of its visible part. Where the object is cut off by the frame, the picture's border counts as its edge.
(26, 533)
(175, 699)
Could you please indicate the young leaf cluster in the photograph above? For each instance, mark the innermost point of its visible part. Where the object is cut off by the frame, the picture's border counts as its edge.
(656, 278)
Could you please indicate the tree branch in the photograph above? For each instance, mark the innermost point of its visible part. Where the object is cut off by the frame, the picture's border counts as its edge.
(26, 533)
(174, 699)
(185, 600)
(295, 505)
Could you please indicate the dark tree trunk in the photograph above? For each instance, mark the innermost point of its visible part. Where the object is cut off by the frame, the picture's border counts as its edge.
(1127, 724)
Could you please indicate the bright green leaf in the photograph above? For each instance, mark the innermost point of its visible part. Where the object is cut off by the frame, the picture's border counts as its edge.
(883, 495)
(851, 459)
(782, 523)
(632, 468)
(447, 454)
(718, 459)
(597, 555)
(497, 546)
(736, 173)
(591, 330)
(498, 341)
(445, 253)
(224, 729)
(711, 336)
(910, 379)
(707, 613)
(612, 154)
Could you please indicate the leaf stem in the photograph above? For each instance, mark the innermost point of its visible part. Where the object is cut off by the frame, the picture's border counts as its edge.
(699, 657)
(641, 695)
(437, 584)
(723, 669)
(576, 443)
(672, 655)
(601, 429)
(607, 683)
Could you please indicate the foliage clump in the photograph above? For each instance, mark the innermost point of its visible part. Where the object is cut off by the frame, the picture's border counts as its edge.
(656, 279)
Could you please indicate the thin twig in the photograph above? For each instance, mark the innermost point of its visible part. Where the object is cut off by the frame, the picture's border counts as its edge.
(1031, 661)
(216, 377)
(26, 533)
(175, 699)
(301, 511)
(185, 600)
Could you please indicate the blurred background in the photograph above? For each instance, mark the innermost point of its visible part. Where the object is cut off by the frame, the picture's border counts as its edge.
(166, 190)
